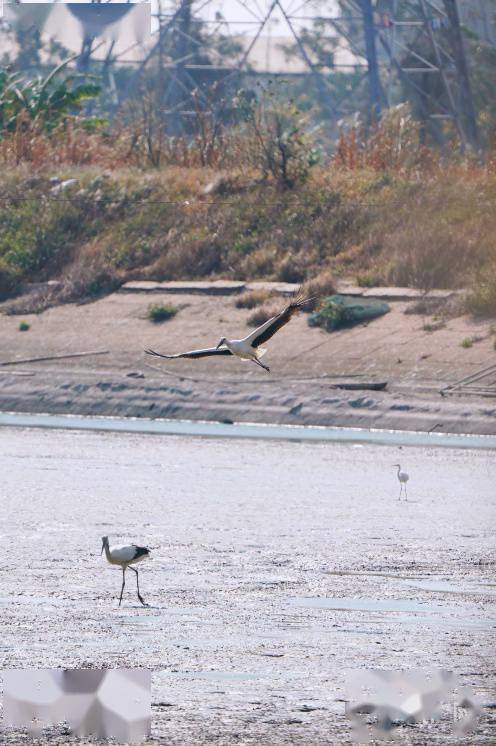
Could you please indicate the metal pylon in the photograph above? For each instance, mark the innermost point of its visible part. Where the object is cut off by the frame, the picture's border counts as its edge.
(428, 18)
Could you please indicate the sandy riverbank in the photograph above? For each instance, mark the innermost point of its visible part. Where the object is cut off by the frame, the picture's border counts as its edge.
(305, 365)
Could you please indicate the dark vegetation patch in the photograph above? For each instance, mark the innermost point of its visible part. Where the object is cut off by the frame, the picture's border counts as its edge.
(339, 312)
(158, 312)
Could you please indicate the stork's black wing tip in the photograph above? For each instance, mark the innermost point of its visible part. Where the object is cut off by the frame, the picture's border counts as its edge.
(301, 302)
(153, 353)
(304, 301)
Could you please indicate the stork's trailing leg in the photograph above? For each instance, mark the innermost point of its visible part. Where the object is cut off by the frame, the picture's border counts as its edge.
(137, 586)
(123, 583)
(265, 367)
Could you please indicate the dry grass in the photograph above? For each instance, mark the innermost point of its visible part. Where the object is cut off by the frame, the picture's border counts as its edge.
(434, 326)
(252, 298)
(383, 211)
(426, 307)
(262, 314)
(317, 288)
(138, 143)
(368, 279)
(35, 301)
(481, 301)
(69, 145)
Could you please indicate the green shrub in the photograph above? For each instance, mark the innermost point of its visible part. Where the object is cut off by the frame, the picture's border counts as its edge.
(158, 312)
(469, 341)
(338, 312)
(24, 326)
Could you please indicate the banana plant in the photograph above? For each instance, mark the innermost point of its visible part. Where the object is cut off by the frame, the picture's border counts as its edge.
(44, 101)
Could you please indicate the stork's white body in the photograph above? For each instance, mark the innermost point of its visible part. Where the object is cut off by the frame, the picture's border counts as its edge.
(123, 555)
(403, 478)
(242, 348)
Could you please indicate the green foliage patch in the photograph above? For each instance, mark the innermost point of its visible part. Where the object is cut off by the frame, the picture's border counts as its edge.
(158, 312)
(339, 311)
(42, 102)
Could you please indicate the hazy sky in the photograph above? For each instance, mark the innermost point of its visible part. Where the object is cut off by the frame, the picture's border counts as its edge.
(237, 17)
(244, 16)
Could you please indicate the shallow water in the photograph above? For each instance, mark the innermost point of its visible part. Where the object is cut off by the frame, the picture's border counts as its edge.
(371, 604)
(240, 529)
(250, 431)
(424, 613)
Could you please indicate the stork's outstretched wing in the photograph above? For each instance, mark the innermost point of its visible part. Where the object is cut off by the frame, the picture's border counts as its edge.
(267, 330)
(193, 353)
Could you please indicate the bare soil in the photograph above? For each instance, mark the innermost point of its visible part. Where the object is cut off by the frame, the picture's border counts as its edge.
(305, 363)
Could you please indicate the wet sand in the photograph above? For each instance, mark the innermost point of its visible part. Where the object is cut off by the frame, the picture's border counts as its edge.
(305, 362)
(276, 566)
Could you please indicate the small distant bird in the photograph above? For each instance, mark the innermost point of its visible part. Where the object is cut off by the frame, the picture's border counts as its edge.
(125, 556)
(247, 348)
(403, 478)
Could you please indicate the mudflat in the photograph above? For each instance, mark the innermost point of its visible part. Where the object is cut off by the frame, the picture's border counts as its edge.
(267, 582)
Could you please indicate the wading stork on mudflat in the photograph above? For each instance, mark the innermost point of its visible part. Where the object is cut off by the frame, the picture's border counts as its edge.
(247, 348)
(403, 478)
(125, 556)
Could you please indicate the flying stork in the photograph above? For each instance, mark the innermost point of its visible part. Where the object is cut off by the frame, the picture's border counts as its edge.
(247, 348)
(403, 478)
(125, 556)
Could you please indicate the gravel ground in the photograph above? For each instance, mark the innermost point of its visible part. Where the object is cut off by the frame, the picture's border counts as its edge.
(276, 567)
